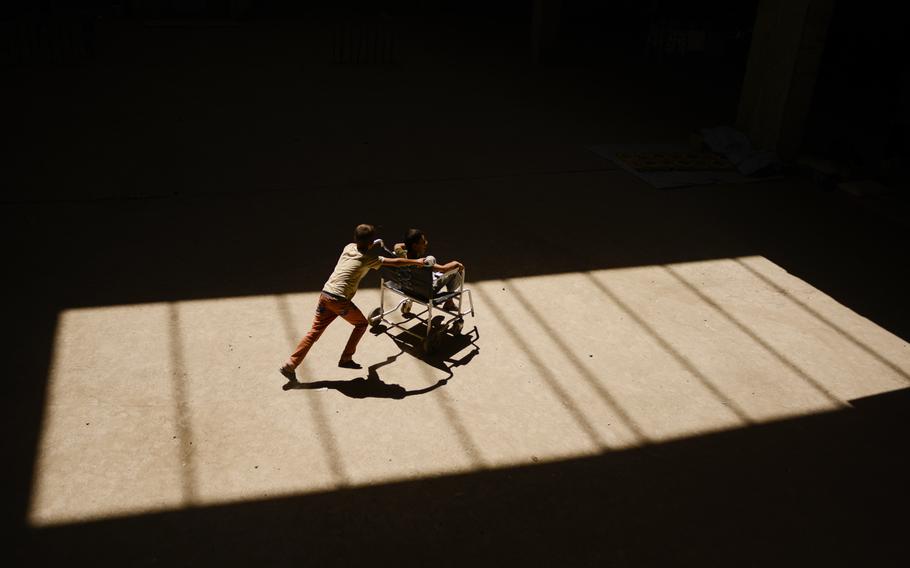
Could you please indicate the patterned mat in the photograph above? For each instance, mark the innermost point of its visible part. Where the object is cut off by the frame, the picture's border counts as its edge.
(666, 166)
(674, 161)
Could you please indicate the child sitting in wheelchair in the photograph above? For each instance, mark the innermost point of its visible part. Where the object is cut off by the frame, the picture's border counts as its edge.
(444, 275)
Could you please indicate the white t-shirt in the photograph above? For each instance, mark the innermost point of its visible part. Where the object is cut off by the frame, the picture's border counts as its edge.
(352, 266)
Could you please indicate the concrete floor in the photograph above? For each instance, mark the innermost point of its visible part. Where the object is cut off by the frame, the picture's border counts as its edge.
(699, 376)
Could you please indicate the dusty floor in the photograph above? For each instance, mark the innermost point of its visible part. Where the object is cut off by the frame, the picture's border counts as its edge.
(698, 376)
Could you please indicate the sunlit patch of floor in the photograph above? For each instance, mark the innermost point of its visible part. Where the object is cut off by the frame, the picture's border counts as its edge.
(173, 405)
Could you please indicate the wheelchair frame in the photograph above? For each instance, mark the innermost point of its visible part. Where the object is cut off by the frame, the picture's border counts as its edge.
(393, 279)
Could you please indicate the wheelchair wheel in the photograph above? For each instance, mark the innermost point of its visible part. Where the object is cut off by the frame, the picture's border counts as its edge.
(375, 317)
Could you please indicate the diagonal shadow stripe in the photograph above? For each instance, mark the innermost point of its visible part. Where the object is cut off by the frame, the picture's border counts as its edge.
(604, 394)
(548, 377)
(182, 410)
(680, 358)
(426, 362)
(323, 431)
(471, 450)
(742, 327)
(874, 354)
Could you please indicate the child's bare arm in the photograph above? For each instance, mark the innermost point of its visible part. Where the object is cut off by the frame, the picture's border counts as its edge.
(448, 266)
(401, 261)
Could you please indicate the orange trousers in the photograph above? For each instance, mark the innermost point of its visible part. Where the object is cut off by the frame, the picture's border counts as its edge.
(329, 308)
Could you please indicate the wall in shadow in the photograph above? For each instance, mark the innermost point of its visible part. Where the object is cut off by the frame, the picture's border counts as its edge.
(861, 106)
(828, 490)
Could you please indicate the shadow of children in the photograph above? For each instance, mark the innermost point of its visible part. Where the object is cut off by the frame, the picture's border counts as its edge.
(370, 386)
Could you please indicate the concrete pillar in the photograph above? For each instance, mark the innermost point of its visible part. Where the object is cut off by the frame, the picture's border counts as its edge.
(544, 28)
(787, 45)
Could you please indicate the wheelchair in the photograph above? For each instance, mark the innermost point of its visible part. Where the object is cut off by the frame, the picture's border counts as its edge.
(414, 285)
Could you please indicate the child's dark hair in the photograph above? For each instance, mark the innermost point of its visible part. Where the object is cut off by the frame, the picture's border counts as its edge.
(412, 237)
(364, 235)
